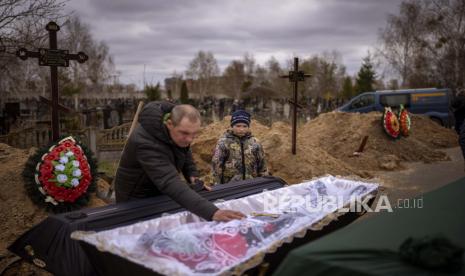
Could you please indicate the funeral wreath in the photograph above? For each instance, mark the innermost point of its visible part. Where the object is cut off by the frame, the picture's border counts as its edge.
(60, 176)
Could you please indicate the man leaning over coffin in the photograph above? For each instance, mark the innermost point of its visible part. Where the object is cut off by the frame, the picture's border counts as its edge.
(157, 153)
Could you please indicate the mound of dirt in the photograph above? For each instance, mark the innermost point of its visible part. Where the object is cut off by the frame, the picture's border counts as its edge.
(276, 143)
(306, 164)
(18, 213)
(340, 134)
(326, 146)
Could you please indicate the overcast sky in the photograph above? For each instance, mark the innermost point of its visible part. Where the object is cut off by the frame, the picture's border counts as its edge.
(165, 35)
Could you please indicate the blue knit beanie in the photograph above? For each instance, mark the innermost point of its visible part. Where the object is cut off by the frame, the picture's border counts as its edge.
(240, 116)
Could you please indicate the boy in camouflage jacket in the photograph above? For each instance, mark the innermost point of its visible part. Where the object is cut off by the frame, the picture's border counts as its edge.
(238, 155)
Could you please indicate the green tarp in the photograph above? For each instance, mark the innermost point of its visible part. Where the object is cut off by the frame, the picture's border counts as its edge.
(369, 247)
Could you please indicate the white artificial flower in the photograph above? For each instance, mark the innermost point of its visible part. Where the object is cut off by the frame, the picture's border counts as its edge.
(60, 167)
(74, 182)
(62, 178)
(76, 163)
(69, 153)
(64, 160)
(77, 173)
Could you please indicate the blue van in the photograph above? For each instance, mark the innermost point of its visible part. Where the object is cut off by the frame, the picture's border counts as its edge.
(432, 102)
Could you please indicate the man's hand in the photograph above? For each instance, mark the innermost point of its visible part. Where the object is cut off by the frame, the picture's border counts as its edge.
(206, 187)
(198, 184)
(193, 179)
(227, 215)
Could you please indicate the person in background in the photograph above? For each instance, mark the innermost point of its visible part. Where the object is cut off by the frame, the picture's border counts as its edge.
(458, 105)
(238, 155)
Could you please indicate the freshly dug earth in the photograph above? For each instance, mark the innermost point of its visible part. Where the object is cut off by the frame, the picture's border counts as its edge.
(340, 134)
(326, 145)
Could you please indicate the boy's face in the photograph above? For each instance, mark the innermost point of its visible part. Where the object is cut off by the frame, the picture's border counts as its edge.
(240, 129)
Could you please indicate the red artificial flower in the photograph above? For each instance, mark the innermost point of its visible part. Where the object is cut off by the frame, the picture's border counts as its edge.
(76, 151)
(45, 173)
(48, 188)
(73, 195)
(68, 144)
(46, 167)
(59, 149)
(46, 181)
(53, 187)
(51, 157)
(84, 182)
(85, 173)
(48, 162)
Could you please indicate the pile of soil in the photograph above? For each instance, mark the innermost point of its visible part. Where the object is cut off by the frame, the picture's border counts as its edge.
(326, 145)
(340, 134)
(276, 143)
(18, 212)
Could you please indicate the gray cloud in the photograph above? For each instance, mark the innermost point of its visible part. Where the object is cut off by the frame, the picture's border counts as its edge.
(165, 35)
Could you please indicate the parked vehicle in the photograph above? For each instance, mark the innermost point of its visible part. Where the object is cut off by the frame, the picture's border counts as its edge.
(432, 102)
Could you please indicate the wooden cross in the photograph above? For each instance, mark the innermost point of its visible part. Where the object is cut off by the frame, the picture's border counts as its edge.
(53, 57)
(295, 76)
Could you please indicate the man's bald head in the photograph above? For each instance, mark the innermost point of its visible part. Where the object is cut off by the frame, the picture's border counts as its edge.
(184, 111)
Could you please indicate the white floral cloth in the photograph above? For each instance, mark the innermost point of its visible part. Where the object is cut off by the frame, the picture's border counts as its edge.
(184, 244)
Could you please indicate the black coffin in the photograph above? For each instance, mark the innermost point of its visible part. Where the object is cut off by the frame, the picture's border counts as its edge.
(49, 245)
(106, 263)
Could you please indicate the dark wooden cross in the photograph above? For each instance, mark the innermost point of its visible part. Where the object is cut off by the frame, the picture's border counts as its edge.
(295, 76)
(53, 57)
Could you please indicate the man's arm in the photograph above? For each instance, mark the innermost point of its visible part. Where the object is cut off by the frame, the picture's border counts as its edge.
(164, 176)
(190, 170)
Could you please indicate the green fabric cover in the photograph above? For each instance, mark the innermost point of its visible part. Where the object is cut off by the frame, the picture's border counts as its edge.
(370, 246)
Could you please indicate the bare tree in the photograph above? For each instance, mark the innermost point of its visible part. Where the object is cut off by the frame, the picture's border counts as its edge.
(447, 22)
(260, 76)
(22, 24)
(274, 73)
(26, 78)
(249, 64)
(20, 16)
(234, 77)
(203, 69)
(98, 69)
(328, 75)
(425, 43)
(399, 43)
